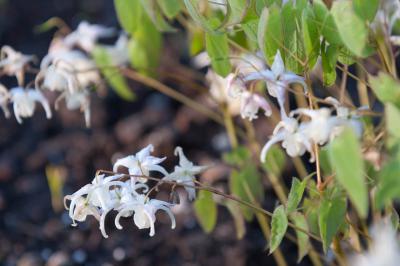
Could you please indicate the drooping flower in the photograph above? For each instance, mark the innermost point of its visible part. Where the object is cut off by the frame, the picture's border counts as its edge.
(144, 210)
(321, 125)
(69, 70)
(293, 137)
(277, 80)
(13, 63)
(24, 102)
(142, 163)
(86, 35)
(98, 202)
(77, 100)
(185, 173)
(384, 249)
(4, 99)
(219, 91)
(251, 102)
(118, 53)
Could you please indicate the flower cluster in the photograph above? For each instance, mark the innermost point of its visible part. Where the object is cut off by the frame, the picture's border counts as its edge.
(67, 69)
(296, 137)
(131, 196)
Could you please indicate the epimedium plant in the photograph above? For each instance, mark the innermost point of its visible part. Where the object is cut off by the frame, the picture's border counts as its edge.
(323, 73)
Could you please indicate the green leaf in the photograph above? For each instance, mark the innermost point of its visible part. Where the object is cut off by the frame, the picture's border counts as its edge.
(113, 76)
(248, 176)
(352, 29)
(392, 120)
(279, 224)
(275, 161)
(238, 9)
(292, 47)
(170, 8)
(192, 8)
(366, 9)
(386, 88)
(270, 32)
(295, 194)
(129, 14)
(327, 26)
(311, 38)
(303, 241)
(389, 184)
(238, 218)
(154, 12)
(145, 47)
(218, 49)
(329, 59)
(331, 217)
(206, 210)
(197, 45)
(345, 155)
(238, 156)
(250, 29)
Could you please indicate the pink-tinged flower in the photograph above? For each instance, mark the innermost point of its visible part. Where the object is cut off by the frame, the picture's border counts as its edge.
(24, 102)
(251, 103)
(219, 91)
(13, 63)
(185, 172)
(141, 164)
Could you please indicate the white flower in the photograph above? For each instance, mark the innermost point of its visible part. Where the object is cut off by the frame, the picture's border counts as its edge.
(98, 197)
(69, 70)
(320, 127)
(277, 80)
(118, 52)
(13, 63)
(4, 98)
(384, 251)
(77, 100)
(293, 138)
(248, 63)
(145, 212)
(141, 164)
(251, 103)
(86, 35)
(185, 172)
(219, 91)
(24, 102)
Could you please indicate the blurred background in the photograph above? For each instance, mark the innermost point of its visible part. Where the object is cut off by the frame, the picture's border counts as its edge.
(43, 160)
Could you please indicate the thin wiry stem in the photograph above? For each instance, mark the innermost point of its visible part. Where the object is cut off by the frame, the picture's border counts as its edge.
(214, 191)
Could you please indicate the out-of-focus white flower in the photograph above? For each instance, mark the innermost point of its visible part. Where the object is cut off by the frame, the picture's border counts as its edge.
(185, 172)
(293, 138)
(77, 100)
(118, 52)
(251, 103)
(144, 210)
(13, 63)
(4, 98)
(219, 91)
(86, 35)
(70, 70)
(384, 251)
(24, 102)
(248, 63)
(141, 164)
(320, 127)
(277, 80)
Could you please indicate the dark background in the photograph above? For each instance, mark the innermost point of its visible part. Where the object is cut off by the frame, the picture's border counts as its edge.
(33, 232)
